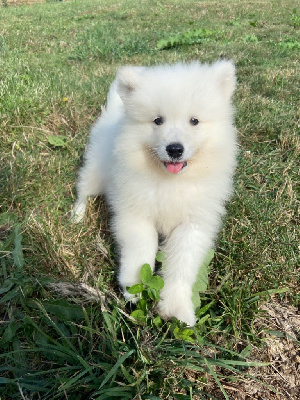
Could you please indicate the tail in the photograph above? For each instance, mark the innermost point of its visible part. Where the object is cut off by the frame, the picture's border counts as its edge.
(114, 105)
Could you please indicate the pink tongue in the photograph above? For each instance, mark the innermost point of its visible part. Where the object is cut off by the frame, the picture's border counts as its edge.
(174, 168)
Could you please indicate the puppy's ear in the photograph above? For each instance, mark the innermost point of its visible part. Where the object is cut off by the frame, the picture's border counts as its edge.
(225, 74)
(127, 81)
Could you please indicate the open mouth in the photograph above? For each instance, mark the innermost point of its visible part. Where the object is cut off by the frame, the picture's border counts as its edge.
(175, 167)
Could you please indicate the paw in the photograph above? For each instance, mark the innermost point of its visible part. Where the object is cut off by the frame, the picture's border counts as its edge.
(133, 298)
(78, 212)
(126, 280)
(180, 307)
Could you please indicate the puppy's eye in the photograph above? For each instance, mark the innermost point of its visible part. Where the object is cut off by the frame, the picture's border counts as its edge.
(159, 120)
(194, 121)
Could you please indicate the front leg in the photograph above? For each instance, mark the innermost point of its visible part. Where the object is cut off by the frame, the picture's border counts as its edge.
(184, 251)
(138, 242)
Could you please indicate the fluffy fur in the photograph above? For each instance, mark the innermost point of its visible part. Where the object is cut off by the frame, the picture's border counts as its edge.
(178, 194)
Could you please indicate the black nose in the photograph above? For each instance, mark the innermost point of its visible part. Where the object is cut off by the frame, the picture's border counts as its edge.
(175, 150)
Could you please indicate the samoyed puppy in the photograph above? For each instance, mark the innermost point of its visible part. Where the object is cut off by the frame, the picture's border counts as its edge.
(163, 153)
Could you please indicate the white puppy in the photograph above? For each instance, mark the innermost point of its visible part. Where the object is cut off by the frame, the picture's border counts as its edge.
(163, 153)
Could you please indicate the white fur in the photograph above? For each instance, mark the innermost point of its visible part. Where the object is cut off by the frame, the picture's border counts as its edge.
(124, 161)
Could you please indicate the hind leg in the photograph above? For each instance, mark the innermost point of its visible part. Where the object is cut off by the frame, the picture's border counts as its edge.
(89, 184)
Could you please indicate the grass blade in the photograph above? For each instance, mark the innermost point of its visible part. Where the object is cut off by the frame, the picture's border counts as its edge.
(114, 369)
(216, 379)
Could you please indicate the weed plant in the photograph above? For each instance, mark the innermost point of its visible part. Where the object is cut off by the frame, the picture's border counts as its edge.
(65, 332)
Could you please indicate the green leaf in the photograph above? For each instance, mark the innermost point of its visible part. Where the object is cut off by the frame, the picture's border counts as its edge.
(58, 140)
(187, 338)
(142, 305)
(156, 282)
(187, 332)
(183, 334)
(176, 332)
(202, 279)
(138, 315)
(160, 257)
(146, 273)
(138, 288)
(157, 321)
(153, 294)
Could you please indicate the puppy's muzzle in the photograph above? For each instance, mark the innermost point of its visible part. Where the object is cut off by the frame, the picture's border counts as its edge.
(175, 152)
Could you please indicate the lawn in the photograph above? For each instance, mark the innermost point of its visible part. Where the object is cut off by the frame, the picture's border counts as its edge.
(65, 331)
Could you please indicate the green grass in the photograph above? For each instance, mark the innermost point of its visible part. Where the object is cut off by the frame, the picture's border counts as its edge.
(57, 61)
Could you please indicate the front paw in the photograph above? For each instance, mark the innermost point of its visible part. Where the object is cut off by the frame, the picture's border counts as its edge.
(133, 298)
(174, 305)
(78, 212)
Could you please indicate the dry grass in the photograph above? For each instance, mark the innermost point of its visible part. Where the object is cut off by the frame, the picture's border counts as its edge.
(24, 2)
(278, 327)
(57, 61)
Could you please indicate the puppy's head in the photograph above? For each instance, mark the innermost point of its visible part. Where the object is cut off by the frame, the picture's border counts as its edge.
(175, 113)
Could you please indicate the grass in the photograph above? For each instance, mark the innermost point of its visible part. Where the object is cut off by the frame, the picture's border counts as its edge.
(57, 61)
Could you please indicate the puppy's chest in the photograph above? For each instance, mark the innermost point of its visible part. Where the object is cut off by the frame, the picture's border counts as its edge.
(170, 207)
(166, 205)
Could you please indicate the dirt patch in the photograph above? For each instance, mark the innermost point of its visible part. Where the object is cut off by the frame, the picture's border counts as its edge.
(279, 327)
